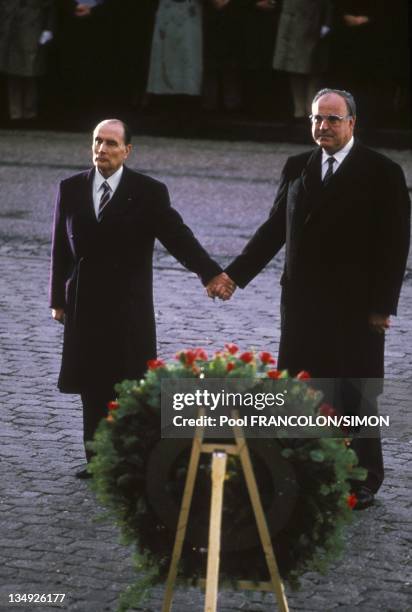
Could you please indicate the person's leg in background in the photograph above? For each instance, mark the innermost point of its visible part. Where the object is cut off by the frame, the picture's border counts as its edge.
(30, 98)
(15, 96)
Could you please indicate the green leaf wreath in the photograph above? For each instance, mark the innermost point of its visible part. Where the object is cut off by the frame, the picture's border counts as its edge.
(134, 470)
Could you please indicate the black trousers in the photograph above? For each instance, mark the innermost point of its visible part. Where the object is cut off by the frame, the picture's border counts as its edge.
(359, 397)
(94, 409)
(369, 452)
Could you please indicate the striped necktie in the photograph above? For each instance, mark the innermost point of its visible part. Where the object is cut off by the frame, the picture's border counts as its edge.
(329, 171)
(104, 200)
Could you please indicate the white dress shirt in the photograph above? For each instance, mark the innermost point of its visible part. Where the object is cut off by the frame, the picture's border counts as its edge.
(339, 157)
(98, 190)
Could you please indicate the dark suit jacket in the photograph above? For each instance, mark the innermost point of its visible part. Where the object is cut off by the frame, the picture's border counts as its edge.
(346, 250)
(101, 274)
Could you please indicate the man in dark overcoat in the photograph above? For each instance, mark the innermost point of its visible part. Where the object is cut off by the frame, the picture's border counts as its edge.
(106, 221)
(343, 212)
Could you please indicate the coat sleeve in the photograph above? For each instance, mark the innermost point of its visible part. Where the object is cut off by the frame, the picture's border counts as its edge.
(179, 239)
(266, 242)
(392, 235)
(60, 256)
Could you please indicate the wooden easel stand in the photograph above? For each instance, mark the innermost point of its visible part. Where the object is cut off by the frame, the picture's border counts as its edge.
(219, 454)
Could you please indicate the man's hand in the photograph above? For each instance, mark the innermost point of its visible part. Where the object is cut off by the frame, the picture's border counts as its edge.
(379, 323)
(82, 10)
(45, 37)
(58, 314)
(266, 5)
(220, 4)
(221, 286)
(354, 21)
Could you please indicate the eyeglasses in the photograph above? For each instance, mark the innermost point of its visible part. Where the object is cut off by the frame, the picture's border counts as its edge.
(331, 119)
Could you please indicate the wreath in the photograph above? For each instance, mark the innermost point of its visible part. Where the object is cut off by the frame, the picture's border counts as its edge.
(140, 477)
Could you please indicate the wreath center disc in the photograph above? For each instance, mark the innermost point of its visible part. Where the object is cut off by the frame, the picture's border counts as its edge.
(165, 478)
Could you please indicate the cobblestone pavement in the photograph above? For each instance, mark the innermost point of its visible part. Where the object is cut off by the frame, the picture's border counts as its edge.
(50, 541)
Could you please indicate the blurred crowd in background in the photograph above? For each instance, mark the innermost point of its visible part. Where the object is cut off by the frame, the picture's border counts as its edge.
(259, 59)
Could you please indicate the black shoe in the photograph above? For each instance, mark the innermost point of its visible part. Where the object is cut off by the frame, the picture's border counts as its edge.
(365, 498)
(83, 474)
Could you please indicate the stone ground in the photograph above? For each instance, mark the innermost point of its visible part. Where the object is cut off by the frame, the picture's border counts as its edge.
(50, 541)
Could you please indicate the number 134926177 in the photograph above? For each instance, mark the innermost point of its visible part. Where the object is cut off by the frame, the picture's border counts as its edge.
(36, 598)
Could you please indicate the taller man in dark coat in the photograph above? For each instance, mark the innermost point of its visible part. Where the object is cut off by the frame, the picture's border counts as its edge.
(106, 222)
(343, 212)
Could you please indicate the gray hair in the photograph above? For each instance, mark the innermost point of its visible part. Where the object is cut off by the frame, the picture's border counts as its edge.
(346, 95)
(127, 134)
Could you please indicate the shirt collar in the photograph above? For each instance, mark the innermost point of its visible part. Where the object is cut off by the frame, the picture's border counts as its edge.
(339, 155)
(113, 180)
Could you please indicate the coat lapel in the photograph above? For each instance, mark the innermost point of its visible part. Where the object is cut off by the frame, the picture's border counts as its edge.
(83, 202)
(311, 174)
(89, 196)
(312, 186)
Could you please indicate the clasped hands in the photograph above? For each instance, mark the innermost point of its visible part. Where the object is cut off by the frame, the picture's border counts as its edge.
(379, 323)
(221, 286)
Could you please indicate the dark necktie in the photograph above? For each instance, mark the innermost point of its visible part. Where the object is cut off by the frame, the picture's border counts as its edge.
(329, 171)
(104, 199)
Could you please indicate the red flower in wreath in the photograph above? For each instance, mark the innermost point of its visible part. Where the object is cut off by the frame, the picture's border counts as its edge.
(189, 356)
(303, 375)
(327, 410)
(231, 348)
(267, 358)
(246, 357)
(113, 405)
(274, 374)
(153, 364)
(186, 357)
(352, 500)
(201, 354)
(230, 366)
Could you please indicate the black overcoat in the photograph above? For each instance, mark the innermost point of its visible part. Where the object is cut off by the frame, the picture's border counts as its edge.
(346, 251)
(101, 274)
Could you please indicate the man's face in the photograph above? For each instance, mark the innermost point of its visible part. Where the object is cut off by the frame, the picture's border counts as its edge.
(332, 135)
(109, 149)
